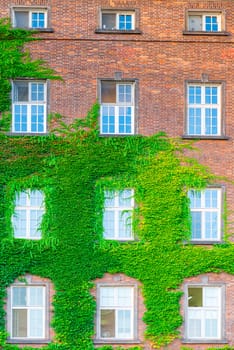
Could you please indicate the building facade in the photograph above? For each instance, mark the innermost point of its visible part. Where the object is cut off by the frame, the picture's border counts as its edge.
(153, 66)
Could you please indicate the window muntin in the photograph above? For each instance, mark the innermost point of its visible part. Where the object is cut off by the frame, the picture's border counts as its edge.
(117, 219)
(27, 217)
(204, 110)
(30, 18)
(116, 312)
(29, 107)
(205, 208)
(117, 108)
(204, 313)
(204, 22)
(111, 20)
(28, 312)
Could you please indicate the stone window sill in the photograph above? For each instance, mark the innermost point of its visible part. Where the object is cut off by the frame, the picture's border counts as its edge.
(204, 137)
(188, 32)
(117, 31)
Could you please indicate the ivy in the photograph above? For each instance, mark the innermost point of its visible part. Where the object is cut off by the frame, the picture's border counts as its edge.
(73, 166)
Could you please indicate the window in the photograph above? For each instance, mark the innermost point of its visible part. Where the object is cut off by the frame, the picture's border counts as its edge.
(117, 20)
(116, 312)
(29, 107)
(117, 108)
(118, 215)
(204, 313)
(205, 209)
(204, 110)
(210, 22)
(30, 18)
(27, 312)
(28, 214)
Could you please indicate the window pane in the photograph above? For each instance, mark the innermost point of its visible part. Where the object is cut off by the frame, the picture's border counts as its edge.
(108, 323)
(21, 199)
(125, 93)
(195, 297)
(211, 198)
(19, 296)
(124, 296)
(211, 225)
(125, 22)
(125, 198)
(108, 120)
(21, 19)
(194, 121)
(38, 20)
(36, 198)
(196, 225)
(107, 296)
(194, 325)
(37, 92)
(124, 324)
(108, 92)
(194, 94)
(211, 23)
(19, 223)
(125, 225)
(195, 199)
(110, 199)
(19, 323)
(109, 21)
(36, 323)
(125, 120)
(211, 296)
(109, 224)
(211, 324)
(195, 23)
(21, 91)
(36, 296)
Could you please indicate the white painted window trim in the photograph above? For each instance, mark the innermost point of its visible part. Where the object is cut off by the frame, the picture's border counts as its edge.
(117, 14)
(30, 12)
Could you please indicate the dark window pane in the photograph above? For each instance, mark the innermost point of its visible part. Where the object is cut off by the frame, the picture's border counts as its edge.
(195, 297)
(108, 92)
(21, 19)
(19, 320)
(109, 21)
(107, 323)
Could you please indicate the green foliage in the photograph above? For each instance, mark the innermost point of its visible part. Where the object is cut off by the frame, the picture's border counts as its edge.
(73, 171)
(15, 62)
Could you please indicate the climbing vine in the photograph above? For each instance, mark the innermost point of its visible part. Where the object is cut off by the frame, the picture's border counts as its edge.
(73, 167)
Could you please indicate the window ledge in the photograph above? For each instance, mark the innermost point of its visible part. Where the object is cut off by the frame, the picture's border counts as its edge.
(23, 134)
(116, 341)
(204, 137)
(205, 242)
(116, 135)
(204, 341)
(190, 32)
(28, 341)
(117, 31)
(40, 30)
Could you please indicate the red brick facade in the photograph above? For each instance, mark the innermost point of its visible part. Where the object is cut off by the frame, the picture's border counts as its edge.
(162, 57)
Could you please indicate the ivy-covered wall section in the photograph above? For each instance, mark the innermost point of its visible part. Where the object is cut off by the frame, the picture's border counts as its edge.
(73, 170)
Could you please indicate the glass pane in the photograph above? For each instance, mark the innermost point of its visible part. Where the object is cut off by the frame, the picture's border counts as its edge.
(107, 296)
(125, 198)
(37, 92)
(125, 22)
(211, 225)
(194, 121)
(125, 225)
(38, 20)
(36, 296)
(211, 324)
(20, 118)
(36, 198)
(37, 118)
(19, 296)
(124, 296)
(108, 120)
(108, 92)
(19, 323)
(108, 323)
(21, 91)
(196, 225)
(211, 24)
(19, 223)
(36, 323)
(195, 23)
(35, 222)
(195, 297)
(194, 328)
(125, 93)
(124, 324)
(110, 199)
(109, 21)
(211, 198)
(195, 199)
(211, 296)
(21, 19)
(109, 224)
(21, 199)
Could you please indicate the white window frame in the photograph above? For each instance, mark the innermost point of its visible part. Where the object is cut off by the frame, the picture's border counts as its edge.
(206, 210)
(30, 12)
(203, 106)
(204, 310)
(117, 106)
(116, 307)
(118, 211)
(27, 209)
(203, 16)
(117, 19)
(28, 105)
(29, 308)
